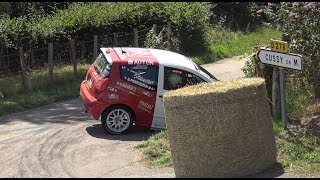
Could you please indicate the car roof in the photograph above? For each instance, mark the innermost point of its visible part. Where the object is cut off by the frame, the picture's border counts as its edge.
(164, 57)
(172, 59)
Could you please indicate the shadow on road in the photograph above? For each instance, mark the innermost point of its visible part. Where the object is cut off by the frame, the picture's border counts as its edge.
(133, 134)
(66, 112)
(276, 171)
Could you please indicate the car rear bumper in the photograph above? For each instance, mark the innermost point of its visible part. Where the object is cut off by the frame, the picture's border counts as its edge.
(89, 102)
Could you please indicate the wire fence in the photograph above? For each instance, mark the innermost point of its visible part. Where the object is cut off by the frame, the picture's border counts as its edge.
(143, 35)
(125, 40)
(37, 59)
(9, 65)
(84, 51)
(61, 54)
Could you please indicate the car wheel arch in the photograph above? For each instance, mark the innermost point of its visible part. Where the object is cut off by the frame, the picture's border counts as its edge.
(113, 105)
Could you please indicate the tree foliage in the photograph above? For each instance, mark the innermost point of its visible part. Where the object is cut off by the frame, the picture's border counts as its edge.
(237, 15)
(301, 22)
(82, 20)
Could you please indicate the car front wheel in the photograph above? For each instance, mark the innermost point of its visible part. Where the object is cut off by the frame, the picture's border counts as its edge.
(117, 119)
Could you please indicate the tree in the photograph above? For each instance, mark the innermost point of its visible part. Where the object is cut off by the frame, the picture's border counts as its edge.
(301, 22)
(237, 15)
(19, 9)
(4, 8)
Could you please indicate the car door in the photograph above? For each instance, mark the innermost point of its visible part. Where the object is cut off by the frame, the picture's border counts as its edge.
(158, 121)
(170, 78)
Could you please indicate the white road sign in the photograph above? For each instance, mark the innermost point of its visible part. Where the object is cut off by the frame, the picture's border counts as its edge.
(287, 60)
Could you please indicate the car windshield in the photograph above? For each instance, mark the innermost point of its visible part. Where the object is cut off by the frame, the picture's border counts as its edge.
(200, 68)
(102, 66)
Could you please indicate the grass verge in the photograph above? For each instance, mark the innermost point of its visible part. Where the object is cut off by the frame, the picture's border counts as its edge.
(157, 149)
(40, 92)
(225, 44)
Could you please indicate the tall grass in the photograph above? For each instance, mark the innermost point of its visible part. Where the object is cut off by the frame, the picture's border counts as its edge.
(225, 44)
(298, 97)
(40, 91)
(157, 149)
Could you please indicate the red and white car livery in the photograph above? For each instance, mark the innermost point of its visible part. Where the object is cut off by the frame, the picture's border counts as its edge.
(126, 85)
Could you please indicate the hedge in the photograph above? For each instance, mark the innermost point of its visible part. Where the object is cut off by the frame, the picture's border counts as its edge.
(190, 20)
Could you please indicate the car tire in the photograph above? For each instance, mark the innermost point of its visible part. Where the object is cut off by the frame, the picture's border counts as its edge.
(117, 119)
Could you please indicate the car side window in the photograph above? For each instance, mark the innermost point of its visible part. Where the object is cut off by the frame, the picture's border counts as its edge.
(177, 78)
(145, 76)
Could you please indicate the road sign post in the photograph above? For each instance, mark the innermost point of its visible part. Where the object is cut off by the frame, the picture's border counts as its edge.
(283, 97)
(278, 56)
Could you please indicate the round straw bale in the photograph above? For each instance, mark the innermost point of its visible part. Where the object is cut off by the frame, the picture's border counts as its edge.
(221, 129)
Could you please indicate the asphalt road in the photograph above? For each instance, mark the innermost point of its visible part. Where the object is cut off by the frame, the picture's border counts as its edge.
(60, 140)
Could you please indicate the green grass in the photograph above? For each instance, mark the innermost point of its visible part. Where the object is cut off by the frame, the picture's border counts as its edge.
(157, 149)
(297, 97)
(40, 92)
(310, 170)
(227, 44)
(298, 153)
(277, 126)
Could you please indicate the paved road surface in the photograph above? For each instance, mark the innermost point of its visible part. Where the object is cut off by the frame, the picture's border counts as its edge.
(227, 69)
(59, 140)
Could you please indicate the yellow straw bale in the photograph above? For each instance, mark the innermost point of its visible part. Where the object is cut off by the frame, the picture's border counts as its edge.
(221, 129)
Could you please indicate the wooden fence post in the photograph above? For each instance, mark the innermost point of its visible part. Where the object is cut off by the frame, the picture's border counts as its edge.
(73, 57)
(50, 61)
(276, 103)
(95, 47)
(24, 74)
(168, 29)
(83, 48)
(135, 37)
(169, 34)
(115, 39)
(32, 58)
(154, 27)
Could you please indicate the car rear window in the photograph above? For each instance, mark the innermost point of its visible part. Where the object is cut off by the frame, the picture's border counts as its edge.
(102, 66)
(145, 76)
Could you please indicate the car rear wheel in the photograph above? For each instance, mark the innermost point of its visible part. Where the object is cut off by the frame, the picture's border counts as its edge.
(117, 119)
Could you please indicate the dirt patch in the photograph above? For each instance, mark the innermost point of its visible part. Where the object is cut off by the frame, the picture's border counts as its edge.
(312, 126)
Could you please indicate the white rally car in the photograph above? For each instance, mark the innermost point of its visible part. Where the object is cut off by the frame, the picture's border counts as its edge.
(126, 85)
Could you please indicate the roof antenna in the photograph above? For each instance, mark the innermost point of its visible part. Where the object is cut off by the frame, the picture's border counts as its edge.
(122, 50)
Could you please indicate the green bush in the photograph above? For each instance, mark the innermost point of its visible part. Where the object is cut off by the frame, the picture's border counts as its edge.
(156, 40)
(300, 22)
(249, 68)
(238, 16)
(82, 20)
